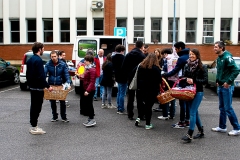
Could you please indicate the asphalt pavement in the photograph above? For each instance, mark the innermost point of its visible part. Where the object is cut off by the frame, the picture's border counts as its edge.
(113, 138)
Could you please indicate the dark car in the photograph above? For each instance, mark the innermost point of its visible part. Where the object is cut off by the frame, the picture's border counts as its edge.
(8, 73)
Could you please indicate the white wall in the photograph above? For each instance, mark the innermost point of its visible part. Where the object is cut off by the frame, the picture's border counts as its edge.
(1, 10)
(120, 12)
(81, 8)
(138, 8)
(156, 10)
(30, 13)
(226, 8)
(208, 8)
(47, 8)
(191, 8)
(64, 8)
(14, 9)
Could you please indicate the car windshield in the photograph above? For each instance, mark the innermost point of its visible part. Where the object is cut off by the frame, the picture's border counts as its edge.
(45, 57)
(237, 61)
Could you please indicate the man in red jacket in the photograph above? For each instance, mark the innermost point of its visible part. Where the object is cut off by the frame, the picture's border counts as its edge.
(98, 60)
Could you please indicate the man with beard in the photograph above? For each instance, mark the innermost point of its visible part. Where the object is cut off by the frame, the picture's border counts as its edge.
(37, 82)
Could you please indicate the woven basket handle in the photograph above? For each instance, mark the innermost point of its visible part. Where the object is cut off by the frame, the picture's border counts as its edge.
(194, 84)
(161, 89)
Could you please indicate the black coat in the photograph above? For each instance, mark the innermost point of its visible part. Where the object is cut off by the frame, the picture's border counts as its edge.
(117, 61)
(107, 79)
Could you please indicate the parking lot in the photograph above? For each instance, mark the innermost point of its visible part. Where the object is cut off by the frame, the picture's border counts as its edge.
(114, 137)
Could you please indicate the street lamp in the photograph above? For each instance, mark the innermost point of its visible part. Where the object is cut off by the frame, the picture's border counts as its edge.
(174, 23)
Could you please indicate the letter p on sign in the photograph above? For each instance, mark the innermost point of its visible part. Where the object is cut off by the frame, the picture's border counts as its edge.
(120, 31)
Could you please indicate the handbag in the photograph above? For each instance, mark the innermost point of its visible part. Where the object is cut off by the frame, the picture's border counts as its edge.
(187, 93)
(165, 96)
(133, 84)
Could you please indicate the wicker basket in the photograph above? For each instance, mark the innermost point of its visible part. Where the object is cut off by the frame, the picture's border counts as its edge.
(165, 96)
(56, 94)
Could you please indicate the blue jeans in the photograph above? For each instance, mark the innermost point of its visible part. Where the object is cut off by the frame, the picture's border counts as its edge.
(122, 88)
(194, 116)
(98, 80)
(225, 107)
(107, 92)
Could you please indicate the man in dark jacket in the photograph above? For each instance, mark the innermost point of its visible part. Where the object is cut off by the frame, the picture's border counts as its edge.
(57, 75)
(183, 54)
(131, 61)
(37, 82)
(117, 60)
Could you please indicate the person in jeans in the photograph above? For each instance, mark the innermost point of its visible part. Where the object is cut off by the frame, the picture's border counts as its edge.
(89, 90)
(149, 80)
(57, 72)
(183, 54)
(107, 82)
(131, 61)
(227, 71)
(195, 73)
(117, 60)
(37, 82)
(99, 60)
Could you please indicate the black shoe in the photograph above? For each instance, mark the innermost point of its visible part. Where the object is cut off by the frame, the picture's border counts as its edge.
(95, 99)
(54, 119)
(199, 135)
(131, 118)
(65, 120)
(157, 110)
(143, 119)
(187, 138)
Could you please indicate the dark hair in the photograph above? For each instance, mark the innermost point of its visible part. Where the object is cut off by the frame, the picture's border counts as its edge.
(36, 46)
(149, 61)
(146, 46)
(198, 56)
(120, 48)
(221, 45)
(60, 53)
(139, 44)
(89, 58)
(167, 51)
(108, 59)
(53, 52)
(179, 45)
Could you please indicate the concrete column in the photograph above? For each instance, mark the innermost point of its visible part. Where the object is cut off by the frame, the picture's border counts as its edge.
(182, 21)
(90, 26)
(6, 23)
(164, 30)
(234, 26)
(130, 21)
(39, 21)
(73, 28)
(199, 28)
(147, 23)
(22, 22)
(56, 22)
(217, 23)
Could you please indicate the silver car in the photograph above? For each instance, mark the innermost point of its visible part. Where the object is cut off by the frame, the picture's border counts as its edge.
(212, 72)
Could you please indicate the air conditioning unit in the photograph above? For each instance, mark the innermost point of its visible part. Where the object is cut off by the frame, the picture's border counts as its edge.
(208, 39)
(97, 5)
(141, 39)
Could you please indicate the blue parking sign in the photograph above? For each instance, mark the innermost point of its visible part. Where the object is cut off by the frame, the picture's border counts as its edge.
(120, 31)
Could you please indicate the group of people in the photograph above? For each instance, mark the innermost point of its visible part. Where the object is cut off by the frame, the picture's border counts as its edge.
(151, 68)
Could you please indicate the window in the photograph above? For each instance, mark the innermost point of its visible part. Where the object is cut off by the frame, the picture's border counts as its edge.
(156, 30)
(207, 27)
(190, 30)
(122, 23)
(138, 29)
(98, 27)
(48, 30)
(1, 31)
(170, 30)
(31, 30)
(81, 27)
(15, 31)
(225, 29)
(238, 30)
(65, 30)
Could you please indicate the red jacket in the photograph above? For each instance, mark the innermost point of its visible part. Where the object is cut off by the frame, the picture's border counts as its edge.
(89, 80)
(97, 63)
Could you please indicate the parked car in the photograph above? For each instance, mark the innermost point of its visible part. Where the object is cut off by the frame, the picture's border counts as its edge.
(8, 73)
(212, 72)
(23, 81)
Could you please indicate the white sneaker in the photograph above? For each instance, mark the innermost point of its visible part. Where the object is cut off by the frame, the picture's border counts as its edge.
(111, 106)
(37, 130)
(163, 118)
(218, 129)
(234, 133)
(104, 106)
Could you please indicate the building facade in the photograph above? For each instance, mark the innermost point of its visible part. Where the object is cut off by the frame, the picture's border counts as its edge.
(56, 23)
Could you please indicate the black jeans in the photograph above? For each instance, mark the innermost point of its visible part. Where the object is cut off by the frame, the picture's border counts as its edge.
(36, 106)
(62, 109)
(82, 107)
(184, 110)
(87, 102)
(130, 102)
(140, 104)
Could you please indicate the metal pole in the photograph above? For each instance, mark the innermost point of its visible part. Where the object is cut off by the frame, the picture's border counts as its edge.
(174, 23)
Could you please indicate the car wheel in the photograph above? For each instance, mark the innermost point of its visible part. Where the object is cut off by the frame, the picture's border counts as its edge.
(77, 90)
(23, 86)
(16, 78)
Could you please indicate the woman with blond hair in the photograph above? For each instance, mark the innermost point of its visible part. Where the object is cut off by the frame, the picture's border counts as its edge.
(148, 85)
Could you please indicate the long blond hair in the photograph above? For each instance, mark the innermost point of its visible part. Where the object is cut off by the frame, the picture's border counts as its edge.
(149, 61)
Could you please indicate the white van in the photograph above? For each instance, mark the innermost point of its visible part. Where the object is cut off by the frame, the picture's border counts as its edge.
(83, 43)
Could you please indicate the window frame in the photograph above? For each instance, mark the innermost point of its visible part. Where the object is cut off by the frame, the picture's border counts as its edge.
(81, 30)
(45, 31)
(1, 31)
(31, 31)
(159, 30)
(225, 31)
(138, 30)
(98, 31)
(66, 31)
(170, 30)
(191, 30)
(14, 31)
(205, 25)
